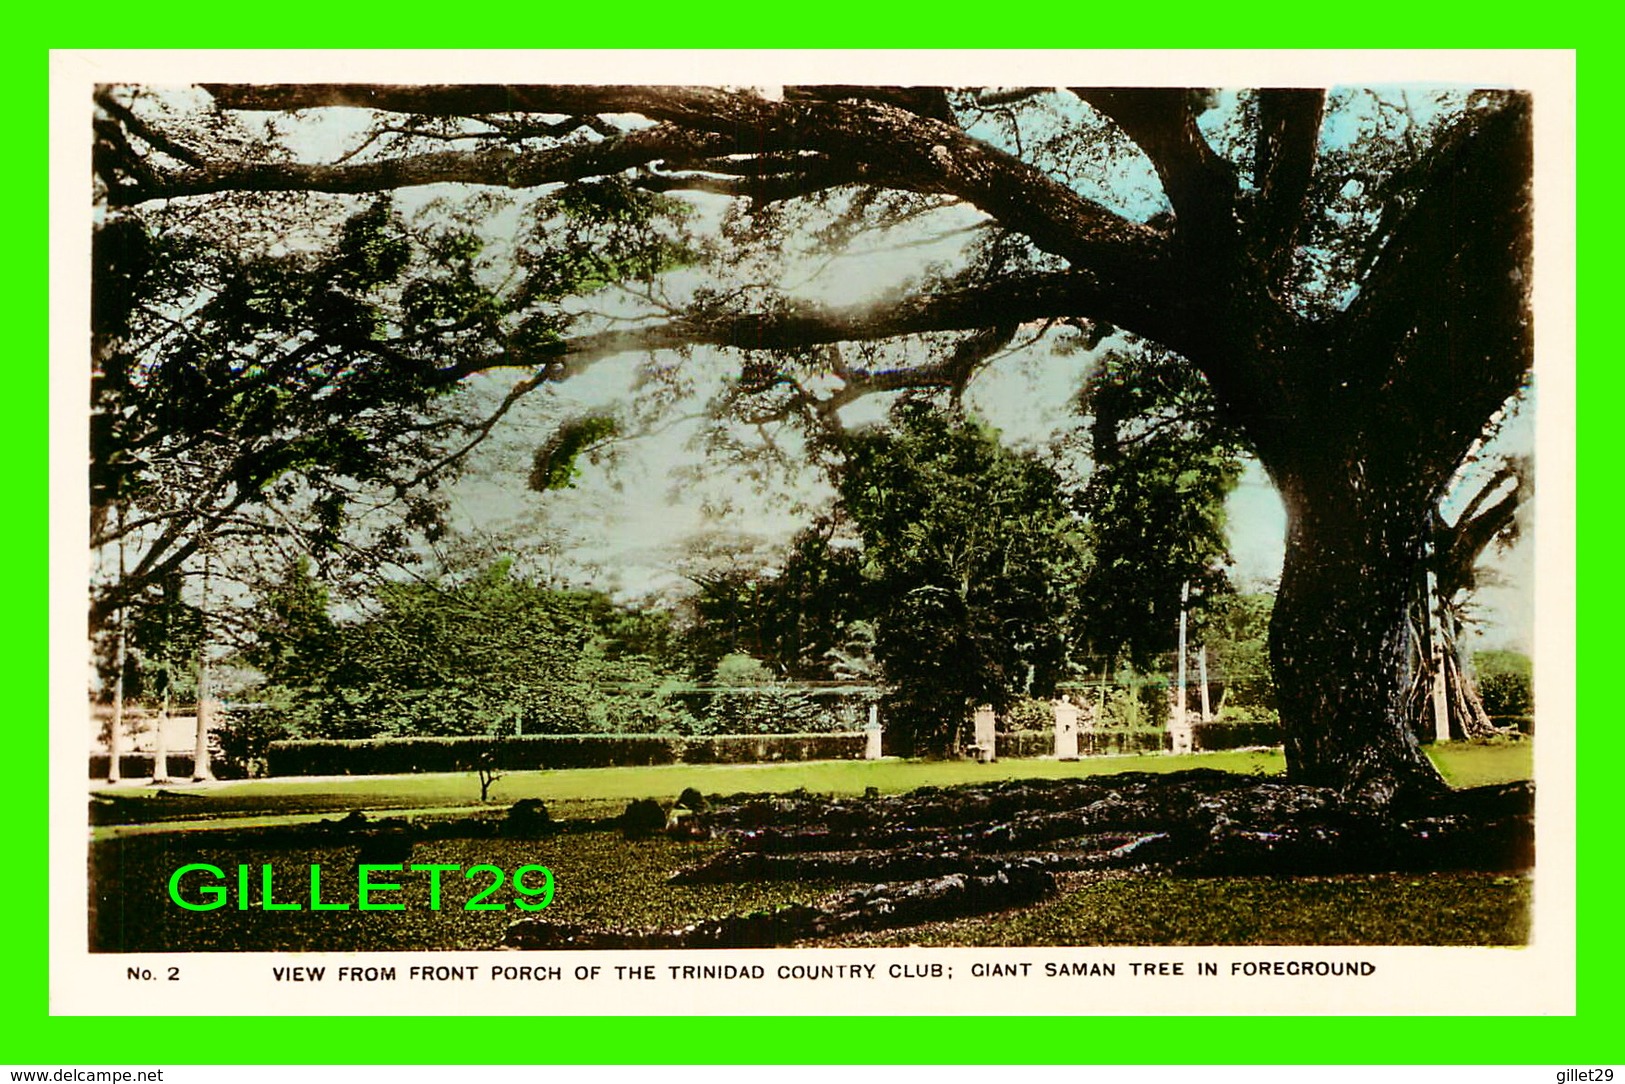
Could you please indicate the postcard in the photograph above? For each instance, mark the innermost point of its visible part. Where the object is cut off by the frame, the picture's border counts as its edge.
(1053, 533)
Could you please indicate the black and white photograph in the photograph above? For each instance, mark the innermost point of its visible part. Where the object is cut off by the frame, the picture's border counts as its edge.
(936, 537)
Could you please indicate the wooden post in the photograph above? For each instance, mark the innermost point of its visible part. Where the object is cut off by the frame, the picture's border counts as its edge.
(1441, 702)
(115, 736)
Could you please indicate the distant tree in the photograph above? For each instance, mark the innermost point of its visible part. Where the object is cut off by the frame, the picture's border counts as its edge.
(295, 640)
(480, 651)
(1163, 463)
(792, 616)
(486, 770)
(244, 397)
(1238, 647)
(748, 698)
(1441, 667)
(974, 563)
(487, 654)
(311, 397)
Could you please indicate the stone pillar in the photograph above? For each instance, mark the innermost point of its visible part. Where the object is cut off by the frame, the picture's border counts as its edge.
(986, 734)
(1180, 731)
(871, 747)
(1066, 729)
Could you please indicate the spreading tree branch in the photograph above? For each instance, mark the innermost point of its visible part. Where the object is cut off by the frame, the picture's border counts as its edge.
(1002, 304)
(1457, 547)
(1289, 128)
(884, 144)
(1199, 183)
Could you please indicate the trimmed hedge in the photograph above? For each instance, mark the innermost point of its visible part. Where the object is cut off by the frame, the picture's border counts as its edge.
(1209, 737)
(1101, 743)
(139, 765)
(1024, 743)
(1091, 743)
(393, 756)
(404, 756)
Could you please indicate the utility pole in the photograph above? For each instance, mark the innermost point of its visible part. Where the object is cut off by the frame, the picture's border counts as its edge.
(115, 736)
(1180, 731)
(1184, 599)
(1201, 673)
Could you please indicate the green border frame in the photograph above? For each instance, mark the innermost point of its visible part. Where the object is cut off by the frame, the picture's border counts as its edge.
(1589, 1038)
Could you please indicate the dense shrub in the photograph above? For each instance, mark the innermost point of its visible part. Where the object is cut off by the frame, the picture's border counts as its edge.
(1237, 734)
(139, 765)
(1097, 743)
(643, 818)
(242, 737)
(1029, 714)
(527, 819)
(1025, 743)
(1505, 682)
(1254, 715)
(771, 709)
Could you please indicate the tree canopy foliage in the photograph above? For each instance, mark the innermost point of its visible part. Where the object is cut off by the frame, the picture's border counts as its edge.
(478, 652)
(1349, 272)
(974, 563)
(1163, 464)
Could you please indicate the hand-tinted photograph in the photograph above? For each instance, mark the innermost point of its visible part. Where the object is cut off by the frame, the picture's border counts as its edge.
(548, 517)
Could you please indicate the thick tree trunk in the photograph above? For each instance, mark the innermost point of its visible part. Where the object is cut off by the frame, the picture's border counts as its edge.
(1339, 638)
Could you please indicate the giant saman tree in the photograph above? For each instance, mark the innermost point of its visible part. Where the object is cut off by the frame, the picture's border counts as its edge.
(1358, 305)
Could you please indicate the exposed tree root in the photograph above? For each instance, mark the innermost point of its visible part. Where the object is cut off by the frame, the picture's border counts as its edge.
(950, 853)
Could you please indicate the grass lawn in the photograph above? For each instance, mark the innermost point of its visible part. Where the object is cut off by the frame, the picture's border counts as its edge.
(605, 881)
(600, 878)
(600, 790)
(1363, 909)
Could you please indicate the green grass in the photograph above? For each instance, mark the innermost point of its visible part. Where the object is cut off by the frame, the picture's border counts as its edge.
(600, 880)
(605, 881)
(1367, 909)
(1476, 765)
(600, 788)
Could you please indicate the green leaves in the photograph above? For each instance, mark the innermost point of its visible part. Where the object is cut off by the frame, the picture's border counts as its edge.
(483, 651)
(975, 563)
(596, 234)
(373, 249)
(1154, 502)
(556, 463)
